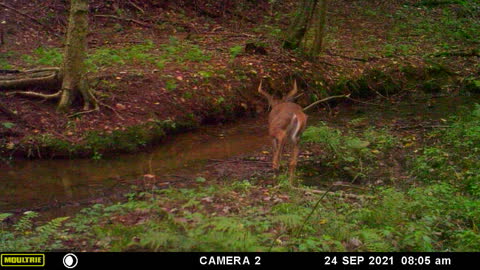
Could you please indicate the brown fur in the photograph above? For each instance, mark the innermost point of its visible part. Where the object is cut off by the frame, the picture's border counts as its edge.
(286, 122)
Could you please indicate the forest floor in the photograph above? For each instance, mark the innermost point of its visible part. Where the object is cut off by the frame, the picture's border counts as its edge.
(177, 67)
(395, 183)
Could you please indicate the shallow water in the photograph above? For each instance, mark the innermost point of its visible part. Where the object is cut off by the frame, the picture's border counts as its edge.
(36, 183)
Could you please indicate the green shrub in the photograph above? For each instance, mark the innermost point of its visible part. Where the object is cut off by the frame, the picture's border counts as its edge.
(456, 159)
(355, 154)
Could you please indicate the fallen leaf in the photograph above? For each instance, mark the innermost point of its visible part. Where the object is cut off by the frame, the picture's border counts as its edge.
(408, 144)
(207, 199)
(148, 177)
(120, 106)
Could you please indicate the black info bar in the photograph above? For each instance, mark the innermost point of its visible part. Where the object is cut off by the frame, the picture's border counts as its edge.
(238, 260)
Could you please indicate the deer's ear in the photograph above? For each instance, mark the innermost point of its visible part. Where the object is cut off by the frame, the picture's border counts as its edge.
(265, 94)
(289, 96)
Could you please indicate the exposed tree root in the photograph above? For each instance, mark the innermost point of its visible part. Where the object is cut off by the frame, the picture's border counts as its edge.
(36, 94)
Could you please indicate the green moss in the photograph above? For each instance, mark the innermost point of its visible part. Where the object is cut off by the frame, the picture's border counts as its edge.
(46, 144)
(96, 144)
(471, 85)
(369, 84)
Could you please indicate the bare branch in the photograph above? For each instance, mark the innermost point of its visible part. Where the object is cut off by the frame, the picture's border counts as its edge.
(30, 17)
(124, 19)
(325, 99)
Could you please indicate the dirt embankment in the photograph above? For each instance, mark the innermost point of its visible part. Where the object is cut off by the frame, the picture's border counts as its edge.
(156, 69)
(161, 68)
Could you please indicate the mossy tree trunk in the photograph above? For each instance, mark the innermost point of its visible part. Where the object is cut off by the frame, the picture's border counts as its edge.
(319, 31)
(299, 27)
(311, 17)
(74, 84)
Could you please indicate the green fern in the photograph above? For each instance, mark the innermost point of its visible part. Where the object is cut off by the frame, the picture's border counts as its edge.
(288, 221)
(225, 224)
(51, 227)
(374, 242)
(25, 238)
(25, 222)
(165, 240)
(4, 216)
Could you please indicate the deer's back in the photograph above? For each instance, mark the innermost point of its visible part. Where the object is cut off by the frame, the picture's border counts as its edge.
(280, 118)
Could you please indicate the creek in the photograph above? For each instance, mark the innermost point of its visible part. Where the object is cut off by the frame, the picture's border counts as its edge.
(46, 184)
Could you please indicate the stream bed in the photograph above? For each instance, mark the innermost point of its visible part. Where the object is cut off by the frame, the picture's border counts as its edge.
(41, 184)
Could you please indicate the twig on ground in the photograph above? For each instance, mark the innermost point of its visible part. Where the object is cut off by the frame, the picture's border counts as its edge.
(123, 19)
(471, 53)
(110, 107)
(136, 6)
(353, 58)
(335, 193)
(82, 112)
(422, 126)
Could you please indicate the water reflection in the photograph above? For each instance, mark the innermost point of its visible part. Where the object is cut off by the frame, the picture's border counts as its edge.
(42, 182)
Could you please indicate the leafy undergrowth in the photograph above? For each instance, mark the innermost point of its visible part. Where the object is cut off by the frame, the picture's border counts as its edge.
(247, 217)
(351, 156)
(438, 211)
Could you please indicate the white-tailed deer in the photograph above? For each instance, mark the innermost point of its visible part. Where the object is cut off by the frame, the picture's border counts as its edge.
(286, 122)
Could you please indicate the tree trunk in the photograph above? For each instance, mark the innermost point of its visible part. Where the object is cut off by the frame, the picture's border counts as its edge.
(74, 69)
(321, 21)
(300, 24)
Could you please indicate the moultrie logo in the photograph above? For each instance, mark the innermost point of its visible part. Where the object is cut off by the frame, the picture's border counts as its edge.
(22, 260)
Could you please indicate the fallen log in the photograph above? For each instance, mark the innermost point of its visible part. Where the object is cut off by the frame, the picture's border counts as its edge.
(35, 78)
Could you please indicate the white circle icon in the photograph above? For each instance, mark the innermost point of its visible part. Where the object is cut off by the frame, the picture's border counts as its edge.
(70, 260)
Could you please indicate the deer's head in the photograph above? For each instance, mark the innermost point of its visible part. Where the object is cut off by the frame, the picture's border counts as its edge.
(272, 101)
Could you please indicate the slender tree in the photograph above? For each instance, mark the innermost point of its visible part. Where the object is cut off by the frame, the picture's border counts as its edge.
(310, 17)
(70, 77)
(319, 30)
(74, 70)
(299, 27)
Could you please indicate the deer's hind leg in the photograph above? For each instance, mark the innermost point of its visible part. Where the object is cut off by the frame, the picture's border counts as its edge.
(278, 145)
(293, 163)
